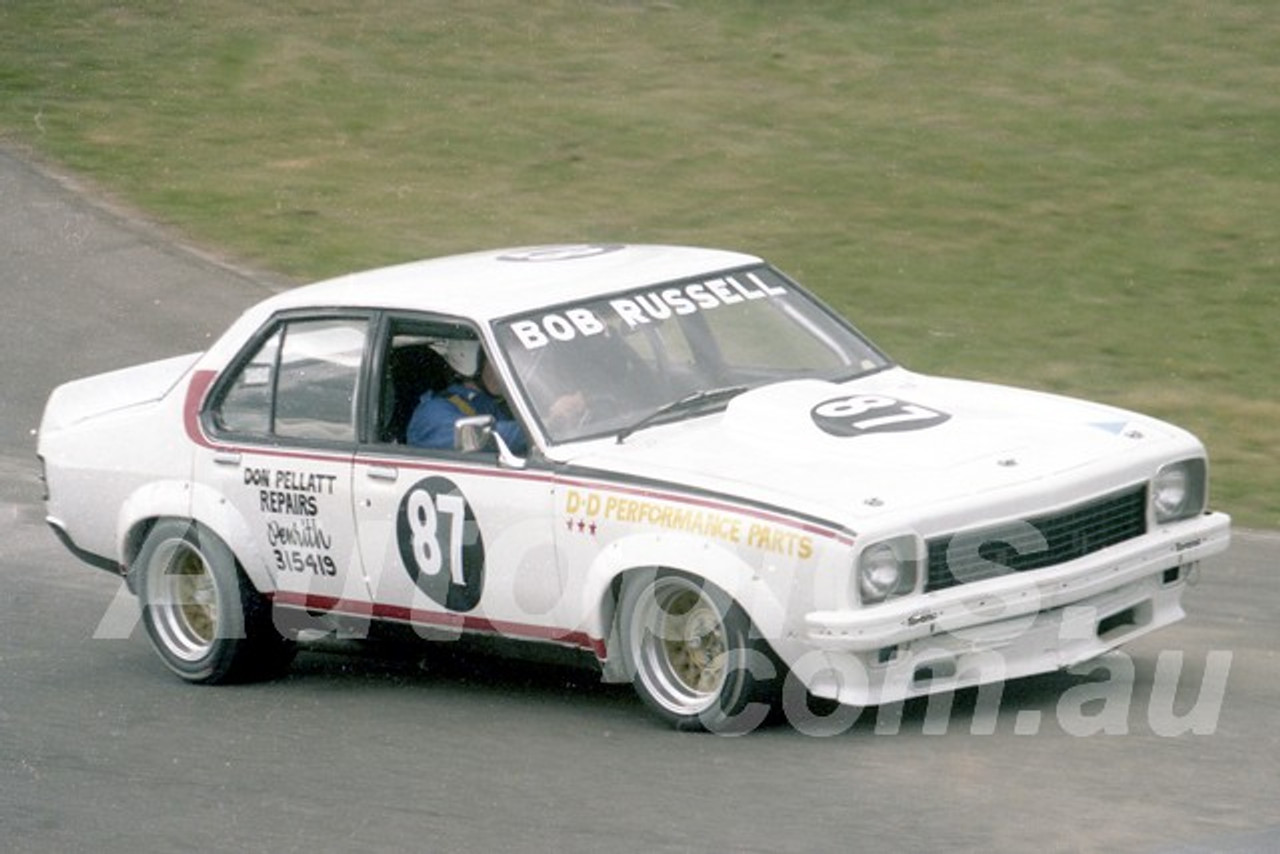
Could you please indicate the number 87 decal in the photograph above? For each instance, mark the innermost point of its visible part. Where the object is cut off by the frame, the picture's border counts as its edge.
(863, 414)
(440, 543)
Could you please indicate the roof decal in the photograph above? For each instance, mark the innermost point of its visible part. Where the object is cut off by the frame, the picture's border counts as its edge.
(569, 252)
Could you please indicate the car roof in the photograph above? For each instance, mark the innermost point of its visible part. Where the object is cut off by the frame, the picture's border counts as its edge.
(487, 285)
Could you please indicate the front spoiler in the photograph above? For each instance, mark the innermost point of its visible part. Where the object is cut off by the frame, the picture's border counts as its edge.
(1042, 643)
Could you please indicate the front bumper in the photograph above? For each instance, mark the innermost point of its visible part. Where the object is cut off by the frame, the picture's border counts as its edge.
(1012, 626)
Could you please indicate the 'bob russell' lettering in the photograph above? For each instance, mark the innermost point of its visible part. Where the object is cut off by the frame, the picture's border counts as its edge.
(642, 308)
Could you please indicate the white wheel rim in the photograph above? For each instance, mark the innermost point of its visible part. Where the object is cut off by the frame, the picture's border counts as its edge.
(679, 645)
(183, 599)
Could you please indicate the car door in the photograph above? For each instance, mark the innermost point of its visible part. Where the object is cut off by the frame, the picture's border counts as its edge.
(450, 540)
(283, 426)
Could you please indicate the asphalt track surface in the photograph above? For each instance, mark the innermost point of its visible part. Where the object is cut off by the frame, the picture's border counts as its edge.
(426, 749)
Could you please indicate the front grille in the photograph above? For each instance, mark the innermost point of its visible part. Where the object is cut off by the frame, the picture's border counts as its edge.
(1036, 543)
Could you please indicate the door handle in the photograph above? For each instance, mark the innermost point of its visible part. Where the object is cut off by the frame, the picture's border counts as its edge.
(227, 458)
(382, 472)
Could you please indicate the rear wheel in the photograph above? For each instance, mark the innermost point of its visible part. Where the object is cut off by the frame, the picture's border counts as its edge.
(692, 654)
(205, 620)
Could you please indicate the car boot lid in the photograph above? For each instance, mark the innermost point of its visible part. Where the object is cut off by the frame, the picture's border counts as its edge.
(82, 399)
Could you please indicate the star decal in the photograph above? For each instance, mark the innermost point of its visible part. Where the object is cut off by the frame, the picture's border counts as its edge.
(581, 526)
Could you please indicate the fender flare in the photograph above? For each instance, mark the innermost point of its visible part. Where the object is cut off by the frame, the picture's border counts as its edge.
(211, 509)
(180, 499)
(157, 499)
(695, 555)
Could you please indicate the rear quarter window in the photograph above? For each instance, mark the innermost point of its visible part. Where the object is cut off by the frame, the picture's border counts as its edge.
(301, 383)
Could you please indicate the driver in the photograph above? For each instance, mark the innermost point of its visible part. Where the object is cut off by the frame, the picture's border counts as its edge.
(476, 391)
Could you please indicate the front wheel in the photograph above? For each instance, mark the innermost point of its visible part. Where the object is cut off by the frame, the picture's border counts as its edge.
(202, 616)
(692, 656)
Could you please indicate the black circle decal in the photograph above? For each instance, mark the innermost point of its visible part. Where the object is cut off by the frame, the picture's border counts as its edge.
(440, 543)
(864, 414)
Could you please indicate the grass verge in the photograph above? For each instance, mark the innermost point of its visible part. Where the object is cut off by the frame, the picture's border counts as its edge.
(1079, 197)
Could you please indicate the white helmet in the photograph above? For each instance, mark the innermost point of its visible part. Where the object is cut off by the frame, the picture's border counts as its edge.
(463, 355)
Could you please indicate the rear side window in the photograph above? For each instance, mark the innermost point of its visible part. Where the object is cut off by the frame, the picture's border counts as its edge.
(300, 383)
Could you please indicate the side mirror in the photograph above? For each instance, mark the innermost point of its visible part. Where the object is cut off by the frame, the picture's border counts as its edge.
(476, 433)
(473, 433)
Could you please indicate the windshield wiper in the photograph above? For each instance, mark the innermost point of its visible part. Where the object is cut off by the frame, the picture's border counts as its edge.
(694, 400)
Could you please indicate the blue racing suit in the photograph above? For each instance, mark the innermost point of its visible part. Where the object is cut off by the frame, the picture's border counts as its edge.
(432, 423)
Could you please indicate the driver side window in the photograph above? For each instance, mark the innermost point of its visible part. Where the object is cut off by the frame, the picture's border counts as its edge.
(435, 373)
(414, 367)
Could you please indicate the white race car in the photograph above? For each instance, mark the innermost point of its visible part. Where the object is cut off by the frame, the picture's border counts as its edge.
(700, 475)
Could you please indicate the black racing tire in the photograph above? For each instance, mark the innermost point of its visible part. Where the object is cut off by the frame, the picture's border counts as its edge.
(203, 617)
(693, 654)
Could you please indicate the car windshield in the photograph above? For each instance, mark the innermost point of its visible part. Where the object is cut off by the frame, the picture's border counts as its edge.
(606, 366)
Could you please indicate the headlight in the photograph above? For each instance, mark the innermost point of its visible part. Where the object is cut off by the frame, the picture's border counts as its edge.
(886, 569)
(1178, 490)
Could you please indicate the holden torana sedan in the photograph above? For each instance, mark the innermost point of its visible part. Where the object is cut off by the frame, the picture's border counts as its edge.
(696, 474)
